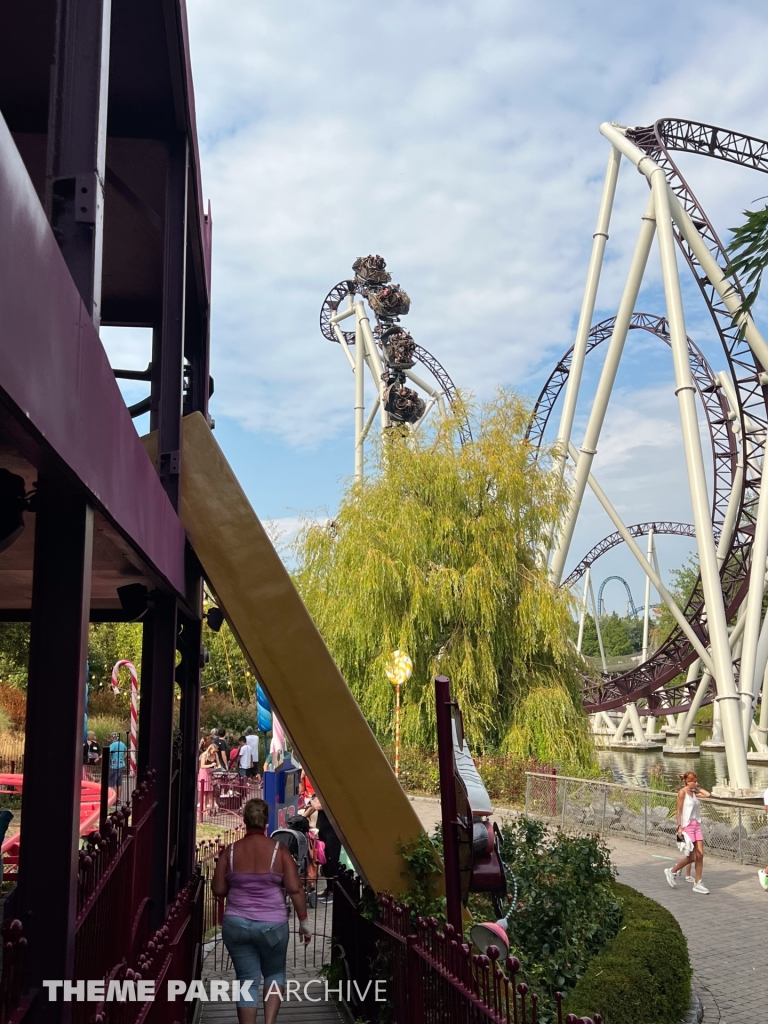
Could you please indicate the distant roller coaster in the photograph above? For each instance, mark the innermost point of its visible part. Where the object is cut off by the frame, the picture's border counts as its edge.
(631, 609)
(389, 352)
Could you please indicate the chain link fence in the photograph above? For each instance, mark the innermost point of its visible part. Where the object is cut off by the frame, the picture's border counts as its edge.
(733, 830)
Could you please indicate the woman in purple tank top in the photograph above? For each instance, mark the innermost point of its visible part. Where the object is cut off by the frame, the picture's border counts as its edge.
(254, 874)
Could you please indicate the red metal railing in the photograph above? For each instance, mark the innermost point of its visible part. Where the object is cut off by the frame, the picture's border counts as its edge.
(14, 980)
(213, 909)
(112, 905)
(223, 796)
(171, 953)
(433, 976)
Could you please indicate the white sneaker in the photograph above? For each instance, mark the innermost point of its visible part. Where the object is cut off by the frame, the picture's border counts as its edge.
(701, 888)
(670, 877)
(689, 878)
(763, 878)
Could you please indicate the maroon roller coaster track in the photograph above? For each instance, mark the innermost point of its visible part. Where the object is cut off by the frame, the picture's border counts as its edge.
(652, 679)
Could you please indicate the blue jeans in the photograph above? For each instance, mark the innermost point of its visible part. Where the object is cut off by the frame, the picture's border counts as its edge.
(257, 948)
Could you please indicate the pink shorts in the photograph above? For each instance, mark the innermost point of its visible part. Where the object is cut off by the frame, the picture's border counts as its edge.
(693, 831)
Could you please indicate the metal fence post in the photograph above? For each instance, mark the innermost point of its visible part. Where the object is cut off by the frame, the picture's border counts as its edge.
(565, 799)
(605, 803)
(645, 817)
(741, 857)
(527, 791)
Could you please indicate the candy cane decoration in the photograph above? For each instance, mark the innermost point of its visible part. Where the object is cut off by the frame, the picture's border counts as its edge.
(134, 706)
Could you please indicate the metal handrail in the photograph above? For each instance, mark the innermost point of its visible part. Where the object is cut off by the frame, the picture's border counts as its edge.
(750, 804)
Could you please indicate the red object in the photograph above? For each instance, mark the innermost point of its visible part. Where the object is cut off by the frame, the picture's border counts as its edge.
(90, 797)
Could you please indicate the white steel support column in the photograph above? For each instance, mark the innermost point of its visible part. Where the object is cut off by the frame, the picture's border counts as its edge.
(717, 723)
(698, 697)
(724, 288)
(583, 615)
(621, 728)
(597, 627)
(735, 749)
(599, 240)
(762, 728)
(377, 368)
(651, 722)
(649, 570)
(359, 401)
(634, 721)
(604, 389)
(752, 615)
(647, 609)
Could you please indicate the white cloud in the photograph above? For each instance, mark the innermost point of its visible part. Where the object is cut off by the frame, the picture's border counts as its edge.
(460, 140)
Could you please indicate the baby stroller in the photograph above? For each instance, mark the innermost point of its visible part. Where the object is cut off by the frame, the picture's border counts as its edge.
(296, 838)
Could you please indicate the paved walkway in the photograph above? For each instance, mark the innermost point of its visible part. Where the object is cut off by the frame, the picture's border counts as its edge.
(302, 965)
(727, 931)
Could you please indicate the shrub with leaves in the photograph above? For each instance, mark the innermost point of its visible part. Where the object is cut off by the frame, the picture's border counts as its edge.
(566, 911)
(422, 868)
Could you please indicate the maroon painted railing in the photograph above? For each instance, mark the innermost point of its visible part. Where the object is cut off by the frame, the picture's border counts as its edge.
(112, 905)
(433, 976)
(113, 902)
(13, 984)
(171, 953)
(208, 851)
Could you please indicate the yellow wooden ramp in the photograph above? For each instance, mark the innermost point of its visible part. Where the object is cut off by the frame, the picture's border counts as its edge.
(279, 639)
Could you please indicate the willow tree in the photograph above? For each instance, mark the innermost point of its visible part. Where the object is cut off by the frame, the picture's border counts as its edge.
(437, 554)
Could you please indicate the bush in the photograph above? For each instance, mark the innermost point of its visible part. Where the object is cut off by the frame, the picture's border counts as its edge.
(218, 712)
(644, 974)
(503, 774)
(567, 910)
(105, 702)
(13, 702)
(105, 725)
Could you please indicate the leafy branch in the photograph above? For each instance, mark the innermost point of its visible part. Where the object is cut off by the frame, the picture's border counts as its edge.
(748, 257)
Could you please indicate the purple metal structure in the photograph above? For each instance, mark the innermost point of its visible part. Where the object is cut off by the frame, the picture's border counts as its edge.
(101, 222)
(659, 527)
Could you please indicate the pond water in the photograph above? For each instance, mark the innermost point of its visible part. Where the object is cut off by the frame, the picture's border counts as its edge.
(711, 767)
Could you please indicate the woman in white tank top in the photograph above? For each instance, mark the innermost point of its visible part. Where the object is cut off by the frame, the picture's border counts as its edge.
(689, 826)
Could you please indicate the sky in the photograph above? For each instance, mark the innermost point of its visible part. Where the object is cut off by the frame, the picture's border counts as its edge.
(461, 142)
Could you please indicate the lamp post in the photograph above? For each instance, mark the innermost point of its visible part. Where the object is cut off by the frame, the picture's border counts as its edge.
(398, 672)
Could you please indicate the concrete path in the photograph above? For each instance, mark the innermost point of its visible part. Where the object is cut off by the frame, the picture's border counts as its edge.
(727, 931)
(302, 965)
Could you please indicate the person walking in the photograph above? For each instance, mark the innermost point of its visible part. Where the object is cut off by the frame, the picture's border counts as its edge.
(117, 752)
(253, 742)
(209, 759)
(254, 874)
(221, 749)
(327, 834)
(689, 824)
(245, 754)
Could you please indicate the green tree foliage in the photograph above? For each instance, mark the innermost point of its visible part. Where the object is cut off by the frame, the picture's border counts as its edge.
(615, 636)
(227, 672)
(620, 636)
(749, 254)
(436, 554)
(566, 911)
(14, 653)
(682, 582)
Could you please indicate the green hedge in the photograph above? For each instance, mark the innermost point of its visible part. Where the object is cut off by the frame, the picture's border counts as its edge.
(643, 975)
